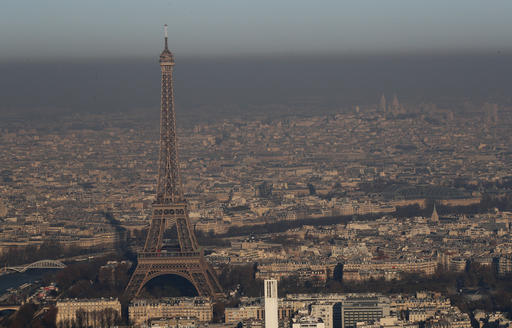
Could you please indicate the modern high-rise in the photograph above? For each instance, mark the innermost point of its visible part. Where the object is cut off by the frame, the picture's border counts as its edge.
(271, 304)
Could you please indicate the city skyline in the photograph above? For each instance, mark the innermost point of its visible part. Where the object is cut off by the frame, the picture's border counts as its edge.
(307, 185)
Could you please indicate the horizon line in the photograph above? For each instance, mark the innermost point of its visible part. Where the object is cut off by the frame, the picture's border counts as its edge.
(264, 55)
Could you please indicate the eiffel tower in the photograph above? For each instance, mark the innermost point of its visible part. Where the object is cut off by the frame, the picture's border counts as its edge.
(170, 210)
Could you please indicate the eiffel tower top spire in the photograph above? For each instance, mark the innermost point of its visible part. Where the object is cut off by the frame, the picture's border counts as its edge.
(166, 56)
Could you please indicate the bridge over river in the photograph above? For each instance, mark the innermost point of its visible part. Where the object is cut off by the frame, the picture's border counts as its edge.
(42, 264)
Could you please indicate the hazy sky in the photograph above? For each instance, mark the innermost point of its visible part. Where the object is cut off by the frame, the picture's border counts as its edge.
(112, 28)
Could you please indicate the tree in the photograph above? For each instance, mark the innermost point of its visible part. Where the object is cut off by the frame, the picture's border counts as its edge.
(110, 317)
(312, 189)
(218, 312)
(338, 272)
(48, 319)
(242, 277)
(24, 316)
(81, 318)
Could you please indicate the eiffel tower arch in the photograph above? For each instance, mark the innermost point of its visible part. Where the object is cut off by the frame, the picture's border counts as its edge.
(170, 210)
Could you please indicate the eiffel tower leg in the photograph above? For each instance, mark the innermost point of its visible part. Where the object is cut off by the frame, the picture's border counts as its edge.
(136, 282)
(206, 280)
(155, 234)
(186, 238)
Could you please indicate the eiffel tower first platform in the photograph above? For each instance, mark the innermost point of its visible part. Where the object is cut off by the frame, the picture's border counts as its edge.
(170, 211)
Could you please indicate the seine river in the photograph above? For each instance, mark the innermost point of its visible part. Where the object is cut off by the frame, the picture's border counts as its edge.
(15, 280)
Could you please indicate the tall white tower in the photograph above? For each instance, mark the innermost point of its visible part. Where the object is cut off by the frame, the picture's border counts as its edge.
(271, 304)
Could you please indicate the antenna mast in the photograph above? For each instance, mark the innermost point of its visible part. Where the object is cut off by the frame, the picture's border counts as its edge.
(165, 35)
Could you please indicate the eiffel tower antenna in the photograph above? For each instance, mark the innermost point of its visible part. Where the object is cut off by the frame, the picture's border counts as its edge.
(170, 209)
(166, 37)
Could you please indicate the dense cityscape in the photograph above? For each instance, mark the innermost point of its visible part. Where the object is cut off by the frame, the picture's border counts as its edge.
(320, 203)
(238, 173)
(344, 208)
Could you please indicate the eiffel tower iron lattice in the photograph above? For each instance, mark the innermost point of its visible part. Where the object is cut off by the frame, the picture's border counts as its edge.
(170, 210)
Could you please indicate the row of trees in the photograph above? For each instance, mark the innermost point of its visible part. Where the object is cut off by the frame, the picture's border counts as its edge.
(281, 226)
(495, 291)
(90, 280)
(53, 249)
(105, 318)
(487, 203)
(26, 317)
(241, 278)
